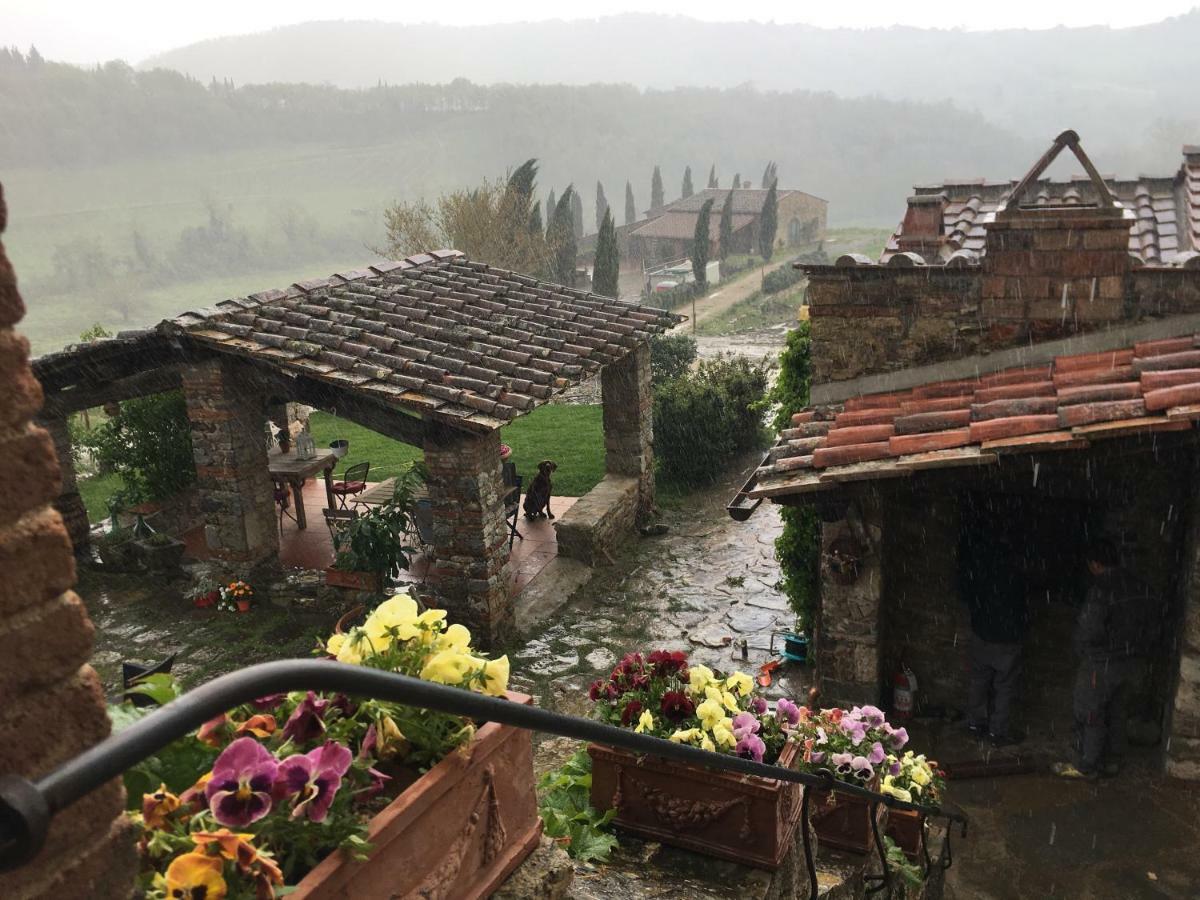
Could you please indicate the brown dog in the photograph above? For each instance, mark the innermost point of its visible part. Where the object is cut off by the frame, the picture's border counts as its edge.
(537, 498)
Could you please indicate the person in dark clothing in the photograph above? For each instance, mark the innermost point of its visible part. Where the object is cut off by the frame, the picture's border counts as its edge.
(996, 600)
(1113, 635)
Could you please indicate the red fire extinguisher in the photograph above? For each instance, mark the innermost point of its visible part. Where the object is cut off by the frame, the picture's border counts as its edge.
(904, 693)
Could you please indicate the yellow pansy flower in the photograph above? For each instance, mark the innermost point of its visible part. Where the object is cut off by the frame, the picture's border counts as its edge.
(699, 677)
(684, 735)
(196, 875)
(645, 722)
(449, 667)
(456, 637)
(495, 676)
(710, 713)
(157, 806)
(889, 787)
(349, 648)
(707, 744)
(740, 683)
(390, 740)
(334, 645)
(723, 698)
(722, 733)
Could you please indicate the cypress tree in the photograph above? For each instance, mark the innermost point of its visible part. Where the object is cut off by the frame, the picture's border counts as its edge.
(562, 240)
(700, 246)
(630, 206)
(770, 174)
(687, 183)
(577, 213)
(768, 222)
(535, 218)
(712, 177)
(601, 205)
(551, 206)
(656, 190)
(725, 229)
(608, 260)
(737, 181)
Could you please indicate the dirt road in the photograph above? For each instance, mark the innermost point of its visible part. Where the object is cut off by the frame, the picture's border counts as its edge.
(726, 295)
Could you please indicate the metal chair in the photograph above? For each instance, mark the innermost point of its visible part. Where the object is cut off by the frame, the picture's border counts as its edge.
(512, 501)
(353, 483)
(337, 521)
(283, 501)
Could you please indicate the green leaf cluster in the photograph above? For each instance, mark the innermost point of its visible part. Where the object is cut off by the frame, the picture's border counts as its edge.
(567, 813)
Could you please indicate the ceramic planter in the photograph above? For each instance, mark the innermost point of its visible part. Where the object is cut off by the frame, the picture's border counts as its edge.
(340, 448)
(243, 606)
(454, 834)
(844, 822)
(904, 827)
(356, 581)
(746, 819)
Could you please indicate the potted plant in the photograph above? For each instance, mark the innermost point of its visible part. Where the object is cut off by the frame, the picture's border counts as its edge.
(915, 779)
(160, 552)
(749, 820)
(235, 597)
(116, 549)
(339, 447)
(853, 745)
(321, 796)
(205, 592)
(372, 546)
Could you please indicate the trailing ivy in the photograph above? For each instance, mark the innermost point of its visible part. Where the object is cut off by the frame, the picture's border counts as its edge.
(567, 813)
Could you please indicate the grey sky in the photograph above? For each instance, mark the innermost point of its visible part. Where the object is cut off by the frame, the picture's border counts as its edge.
(87, 30)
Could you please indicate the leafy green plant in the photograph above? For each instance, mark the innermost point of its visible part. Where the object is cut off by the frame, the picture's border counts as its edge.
(567, 814)
(375, 541)
(909, 872)
(670, 356)
(781, 279)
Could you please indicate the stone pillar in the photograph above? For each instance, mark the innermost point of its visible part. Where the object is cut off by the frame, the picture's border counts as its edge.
(629, 423)
(230, 450)
(68, 503)
(849, 644)
(53, 702)
(470, 573)
(1182, 739)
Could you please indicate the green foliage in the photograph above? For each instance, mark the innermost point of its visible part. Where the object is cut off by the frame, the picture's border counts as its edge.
(770, 175)
(656, 189)
(562, 241)
(687, 190)
(148, 445)
(712, 177)
(601, 209)
(705, 418)
(567, 813)
(909, 872)
(630, 207)
(798, 547)
(768, 223)
(577, 214)
(674, 297)
(607, 267)
(725, 230)
(700, 241)
(671, 355)
(781, 279)
(94, 333)
(376, 541)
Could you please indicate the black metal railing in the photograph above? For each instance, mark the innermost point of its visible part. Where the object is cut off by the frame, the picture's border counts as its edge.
(26, 807)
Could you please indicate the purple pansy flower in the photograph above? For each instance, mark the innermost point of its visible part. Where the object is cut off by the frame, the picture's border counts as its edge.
(786, 711)
(899, 738)
(376, 786)
(895, 768)
(751, 746)
(744, 724)
(307, 721)
(877, 755)
(861, 767)
(817, 757)
(269, 702)
(314, 776)
(758, 705)
(240, 789)
(872, 715)
(841, 762)
(854, 730)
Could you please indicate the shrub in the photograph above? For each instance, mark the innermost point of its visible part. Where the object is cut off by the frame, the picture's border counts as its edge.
(149, 444)
(670, 356)
(704, 419)
(674, 297)
(781, 279)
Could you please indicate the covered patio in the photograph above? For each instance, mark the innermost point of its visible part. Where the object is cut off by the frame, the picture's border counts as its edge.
(436, 351)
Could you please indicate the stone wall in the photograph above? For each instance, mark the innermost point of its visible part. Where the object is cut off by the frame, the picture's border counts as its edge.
(628, 410)
(599, 521)
(470, 572)
(229, 446)
(53, 702)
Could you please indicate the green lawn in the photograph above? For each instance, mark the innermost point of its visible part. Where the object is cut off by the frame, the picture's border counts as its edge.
(756, 311)
(572, 436)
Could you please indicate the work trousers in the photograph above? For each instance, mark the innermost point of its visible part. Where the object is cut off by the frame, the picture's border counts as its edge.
(1100, 701)
(995, 670)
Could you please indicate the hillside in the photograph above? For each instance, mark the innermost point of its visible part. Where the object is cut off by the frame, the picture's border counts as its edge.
(1124, 90)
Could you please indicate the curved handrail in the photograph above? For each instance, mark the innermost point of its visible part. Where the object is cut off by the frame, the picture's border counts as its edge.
(26, 806)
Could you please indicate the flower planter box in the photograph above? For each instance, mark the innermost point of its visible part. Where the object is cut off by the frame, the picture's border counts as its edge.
(742, 818)
(117, 557)
(162, 557)
(904, 827)
(356, 581)
(844, 822)
(457, 832)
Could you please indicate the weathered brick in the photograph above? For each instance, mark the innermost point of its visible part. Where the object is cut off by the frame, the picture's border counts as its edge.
(37, 546)
(44, 644)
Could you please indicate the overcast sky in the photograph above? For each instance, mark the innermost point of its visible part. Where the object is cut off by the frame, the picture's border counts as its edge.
(91, 30)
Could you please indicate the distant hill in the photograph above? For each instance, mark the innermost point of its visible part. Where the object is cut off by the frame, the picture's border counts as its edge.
(1120, 88)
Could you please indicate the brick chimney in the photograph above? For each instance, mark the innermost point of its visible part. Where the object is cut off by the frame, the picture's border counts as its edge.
(921, 231)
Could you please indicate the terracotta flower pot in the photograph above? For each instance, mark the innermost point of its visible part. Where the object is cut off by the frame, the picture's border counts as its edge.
(203, 601)
(243, 606)
(904, 827)
(746, 819)
(348, 620)
(844, 822)
(371, 583)
(458, 831)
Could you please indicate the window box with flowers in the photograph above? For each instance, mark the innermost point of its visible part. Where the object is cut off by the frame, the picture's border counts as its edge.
(914, 779)
(323, 795)
(854, 746)
(746, 819)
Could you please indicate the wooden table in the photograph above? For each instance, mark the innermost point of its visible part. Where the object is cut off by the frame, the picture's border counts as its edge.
(380, 493)
(287, 468)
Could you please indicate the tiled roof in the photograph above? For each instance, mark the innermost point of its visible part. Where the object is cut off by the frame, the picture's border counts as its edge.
(1165, 211)
(437, 334)
(745, 200)
(682, 225)
(1066, 404)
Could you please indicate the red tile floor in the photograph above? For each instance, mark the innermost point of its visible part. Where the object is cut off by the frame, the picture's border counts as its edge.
(312, 548)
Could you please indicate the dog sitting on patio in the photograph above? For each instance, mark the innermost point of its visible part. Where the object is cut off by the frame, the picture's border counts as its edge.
(537, 498)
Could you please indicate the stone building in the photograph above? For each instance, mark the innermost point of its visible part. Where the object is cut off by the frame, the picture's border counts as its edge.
(667, 234)
(1026, 379)
(437, 351)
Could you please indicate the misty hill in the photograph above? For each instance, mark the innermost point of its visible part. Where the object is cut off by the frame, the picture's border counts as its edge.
(1112, 85)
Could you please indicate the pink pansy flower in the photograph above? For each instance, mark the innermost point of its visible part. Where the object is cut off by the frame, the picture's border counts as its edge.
(877, 755)
(758, 705)
(751, 746)
(315, 778)
(899, 738)
(240, 789)
(744, 724)
(787, 711)
(307, 721)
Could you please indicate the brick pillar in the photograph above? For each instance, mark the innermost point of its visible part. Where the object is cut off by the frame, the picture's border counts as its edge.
(470, 572)
(229, 446)
(68, 503)
(629, 422)
(849, 644)
(1182, 739)
(53, 705)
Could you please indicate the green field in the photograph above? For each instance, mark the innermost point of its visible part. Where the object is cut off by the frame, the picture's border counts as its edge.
(572, 436)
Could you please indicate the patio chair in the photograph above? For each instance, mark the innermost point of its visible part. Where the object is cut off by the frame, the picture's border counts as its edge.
(283, 501)
(337, 521)
(353, 483)
(512, 501)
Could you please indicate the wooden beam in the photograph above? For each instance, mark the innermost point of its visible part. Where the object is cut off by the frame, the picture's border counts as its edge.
(143, 384)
